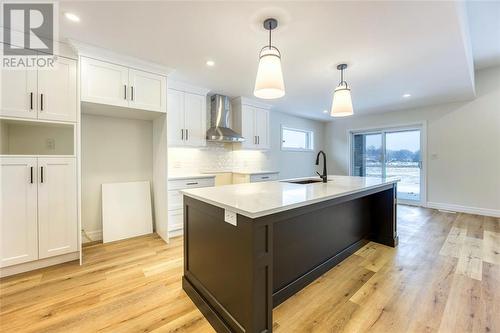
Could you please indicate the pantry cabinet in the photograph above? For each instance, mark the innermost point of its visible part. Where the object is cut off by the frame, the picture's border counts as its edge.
(39, 214)
(117, 85)
(187, 114)
(48, 94)
(251, 119)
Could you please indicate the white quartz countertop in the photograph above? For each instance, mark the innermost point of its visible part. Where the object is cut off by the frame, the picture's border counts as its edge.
(254, 172)
(259, 199)
(190, 176)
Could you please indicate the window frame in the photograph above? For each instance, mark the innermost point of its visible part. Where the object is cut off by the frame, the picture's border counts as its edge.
(309, 136)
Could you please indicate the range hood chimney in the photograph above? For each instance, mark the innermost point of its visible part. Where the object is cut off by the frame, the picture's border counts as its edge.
(220, 121)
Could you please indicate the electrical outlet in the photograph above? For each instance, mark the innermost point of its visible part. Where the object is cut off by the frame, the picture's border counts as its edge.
(50, 143)
(230, 217)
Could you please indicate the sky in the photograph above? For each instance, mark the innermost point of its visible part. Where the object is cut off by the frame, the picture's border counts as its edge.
(409, 140)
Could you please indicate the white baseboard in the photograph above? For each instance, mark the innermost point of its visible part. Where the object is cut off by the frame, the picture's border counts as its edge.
(464, 209)
(29, 266)
(95, 235)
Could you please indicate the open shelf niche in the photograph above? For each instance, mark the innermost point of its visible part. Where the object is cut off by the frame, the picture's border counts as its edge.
(23, 137)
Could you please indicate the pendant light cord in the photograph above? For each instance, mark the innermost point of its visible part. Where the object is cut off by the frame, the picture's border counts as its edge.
(270, 28)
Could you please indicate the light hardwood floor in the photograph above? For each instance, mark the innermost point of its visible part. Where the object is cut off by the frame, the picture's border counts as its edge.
(443, 277)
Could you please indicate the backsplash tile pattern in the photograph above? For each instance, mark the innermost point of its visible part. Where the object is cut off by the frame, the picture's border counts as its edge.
(215, 157)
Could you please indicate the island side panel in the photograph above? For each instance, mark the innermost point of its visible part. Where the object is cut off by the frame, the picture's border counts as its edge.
(308, 245)
(227, 268)
(384, 217)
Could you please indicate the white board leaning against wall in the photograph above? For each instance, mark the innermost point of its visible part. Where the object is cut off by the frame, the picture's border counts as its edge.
(126, 210)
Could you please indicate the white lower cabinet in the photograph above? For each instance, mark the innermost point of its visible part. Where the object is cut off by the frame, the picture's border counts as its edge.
(57, 227)
(175, 204)
(39, 214)
(18, 214)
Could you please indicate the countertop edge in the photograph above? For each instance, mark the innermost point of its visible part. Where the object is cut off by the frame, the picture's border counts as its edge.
(194, 176)
(254, 215)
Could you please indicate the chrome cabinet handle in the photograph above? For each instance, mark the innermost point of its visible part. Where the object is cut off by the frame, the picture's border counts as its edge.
(265, 177)
(41, 102)
(41, 175)
(31, 101)
(192, 183)
(132, 93)
(187, 134)
(31, 175)
(182, 134)
(125, 92)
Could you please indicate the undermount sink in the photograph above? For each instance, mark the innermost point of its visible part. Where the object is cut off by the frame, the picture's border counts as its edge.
(304, 181)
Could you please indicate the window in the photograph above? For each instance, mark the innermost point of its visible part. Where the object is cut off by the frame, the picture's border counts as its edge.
(296, 139)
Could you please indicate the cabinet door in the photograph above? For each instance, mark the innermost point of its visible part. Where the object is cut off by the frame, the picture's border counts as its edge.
(195, 115)
(19, 93)
(18, 220)
(104, 83)
(248, 126)
(262, 128)
(147, 91)
(57, 217)
(57, 91)
(175, 118)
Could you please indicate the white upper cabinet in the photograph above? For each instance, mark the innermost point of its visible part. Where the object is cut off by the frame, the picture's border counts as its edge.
(251, 119)
(195, 114)
(247, 127)
(186, 115)
(104, 82)
(147, 91)
(261, 126)
(57, 92)
(175, 118)
(18, 216)
(19, 93)
(57, 223)
(48, 94)
(117, 85)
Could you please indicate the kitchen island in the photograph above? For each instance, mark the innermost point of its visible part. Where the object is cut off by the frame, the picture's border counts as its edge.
(249, 247)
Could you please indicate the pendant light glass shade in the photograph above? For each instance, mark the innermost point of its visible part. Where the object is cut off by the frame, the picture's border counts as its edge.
(342, 102)
(269, 82)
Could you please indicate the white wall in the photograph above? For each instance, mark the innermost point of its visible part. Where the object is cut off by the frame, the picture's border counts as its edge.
(113, 150)
(463, 146)
(225, 157)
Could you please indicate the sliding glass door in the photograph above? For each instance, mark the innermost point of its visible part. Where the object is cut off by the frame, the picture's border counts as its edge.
(390, 153)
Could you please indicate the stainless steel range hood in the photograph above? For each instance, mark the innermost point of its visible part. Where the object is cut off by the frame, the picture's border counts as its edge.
(220, 121)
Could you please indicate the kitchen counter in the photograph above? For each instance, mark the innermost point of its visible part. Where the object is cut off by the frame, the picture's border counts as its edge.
(260, 199)
(190, 176)
(253, 172)
(249, 247)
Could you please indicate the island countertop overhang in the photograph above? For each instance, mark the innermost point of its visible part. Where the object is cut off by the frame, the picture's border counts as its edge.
(255, 200)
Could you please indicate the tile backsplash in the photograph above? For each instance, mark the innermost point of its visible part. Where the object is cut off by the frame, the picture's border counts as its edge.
(215, 157)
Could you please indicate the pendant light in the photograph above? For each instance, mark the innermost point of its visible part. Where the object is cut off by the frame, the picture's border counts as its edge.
(269, 82)
(342, 102)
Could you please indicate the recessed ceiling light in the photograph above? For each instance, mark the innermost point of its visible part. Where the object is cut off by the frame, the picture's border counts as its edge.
(325, 111)
(210, 63)
(72, 17)
(406, 95)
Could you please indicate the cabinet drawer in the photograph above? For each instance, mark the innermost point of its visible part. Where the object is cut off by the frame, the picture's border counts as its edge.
(174, 200)
(265, 177)
(175, 220)
(190, 183)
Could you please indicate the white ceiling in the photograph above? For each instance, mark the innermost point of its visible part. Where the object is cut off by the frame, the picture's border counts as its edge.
(392, 48)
